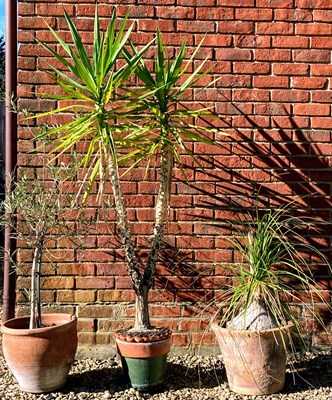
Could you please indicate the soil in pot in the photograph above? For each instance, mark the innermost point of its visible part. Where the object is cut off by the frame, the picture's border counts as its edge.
(40, 358)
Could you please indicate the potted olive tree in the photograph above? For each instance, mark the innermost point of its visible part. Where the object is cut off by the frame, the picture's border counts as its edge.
(40, 348)
(257, 323)
(126, 124)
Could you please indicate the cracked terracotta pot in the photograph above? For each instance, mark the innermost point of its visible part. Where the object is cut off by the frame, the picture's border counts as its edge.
(143, 363)
(255, 361)
(40, 358)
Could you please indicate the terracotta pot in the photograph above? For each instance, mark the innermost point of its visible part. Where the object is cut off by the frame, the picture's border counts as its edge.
(255, 361)
(143, 363)
(40, 358)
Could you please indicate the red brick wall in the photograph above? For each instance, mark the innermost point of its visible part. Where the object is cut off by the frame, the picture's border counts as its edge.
(274, 95)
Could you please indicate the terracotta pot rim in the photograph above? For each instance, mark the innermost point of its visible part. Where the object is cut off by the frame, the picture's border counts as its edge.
(282, 328)
(59, 320)
(143, 349)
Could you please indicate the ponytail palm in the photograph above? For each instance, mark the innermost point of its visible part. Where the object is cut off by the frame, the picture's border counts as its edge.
(145, 123)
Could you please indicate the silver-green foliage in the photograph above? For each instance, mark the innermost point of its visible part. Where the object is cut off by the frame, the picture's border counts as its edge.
(36, 211)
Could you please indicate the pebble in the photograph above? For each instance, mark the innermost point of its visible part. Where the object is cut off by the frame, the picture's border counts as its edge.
(187, 378)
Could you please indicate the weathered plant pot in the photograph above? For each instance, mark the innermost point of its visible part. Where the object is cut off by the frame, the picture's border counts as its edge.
(40, 358)
(143, 363)
(255, 361)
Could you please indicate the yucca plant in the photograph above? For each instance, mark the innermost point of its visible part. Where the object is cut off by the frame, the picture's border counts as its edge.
(127, 125)
(273, 272)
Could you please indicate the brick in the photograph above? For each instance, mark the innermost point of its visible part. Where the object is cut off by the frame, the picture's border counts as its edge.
(230, 3)
(236, 27)
(290, 42)
(225, 81)
(174, 12)
(272, 109)
(36, 23)
(271, 82)
(309, 83)
(312, 4)
(286, 122)
(293, 15)
(233, 54)
(321, 96)
(321, 70)
(94, 256)
(195, 26)
(275, 28)
(214, 13)
(312, 109)
(115, 295)
(123, 283)
(252, 41)
(256, 14)
(313, 29)
(321, 122)
(95, 311)
(251, 95)
(104, 338)
(95, 283)
(275, 3)
(57, 283)
(213, 40)
(198, 3)
(88, 338)
(180, 339)
(114, 325)
(192, 325)
(272, 55)
(153, 25)
(321, 42)
(54, 9)
(314, 56)
(26, 9)
(290, 69)
(290, 95)
(139, 11)
(322, 15)
(86, 325)
(164, 311)
(204, 338)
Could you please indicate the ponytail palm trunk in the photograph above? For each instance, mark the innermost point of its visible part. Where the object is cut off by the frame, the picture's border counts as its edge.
(146, 124)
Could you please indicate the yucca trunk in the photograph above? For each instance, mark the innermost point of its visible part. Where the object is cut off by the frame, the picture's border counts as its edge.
(142, 320)
(142, 283)
(162, 210)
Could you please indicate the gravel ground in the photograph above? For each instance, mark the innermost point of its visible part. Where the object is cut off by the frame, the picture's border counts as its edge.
(187, 378)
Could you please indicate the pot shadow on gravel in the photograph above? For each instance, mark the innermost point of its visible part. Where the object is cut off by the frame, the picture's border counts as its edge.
(177, 377)
(309, 374)
(95, 381)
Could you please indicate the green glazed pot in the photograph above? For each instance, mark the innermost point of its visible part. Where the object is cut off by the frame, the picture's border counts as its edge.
(144, 364)
(144, 374)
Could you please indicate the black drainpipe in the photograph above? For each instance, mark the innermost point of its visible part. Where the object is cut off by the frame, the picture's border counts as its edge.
(9, 279)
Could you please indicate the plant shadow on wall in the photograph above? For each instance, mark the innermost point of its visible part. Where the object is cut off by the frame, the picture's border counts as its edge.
(177, 276)
(296, 276)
